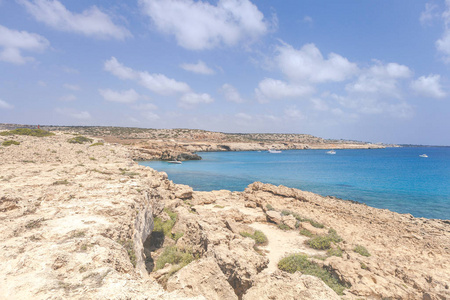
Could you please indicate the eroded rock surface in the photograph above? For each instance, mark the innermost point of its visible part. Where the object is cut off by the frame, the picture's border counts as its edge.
(77, 223)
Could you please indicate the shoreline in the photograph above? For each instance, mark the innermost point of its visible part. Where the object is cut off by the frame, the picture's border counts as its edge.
(80, 220)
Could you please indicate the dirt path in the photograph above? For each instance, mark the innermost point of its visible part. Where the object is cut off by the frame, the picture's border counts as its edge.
(282, 243)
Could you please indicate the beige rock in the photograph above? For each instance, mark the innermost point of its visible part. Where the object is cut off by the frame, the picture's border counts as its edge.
(282, 285)
(312, 229)
(289, 221)
(202, 277)
(274, 216)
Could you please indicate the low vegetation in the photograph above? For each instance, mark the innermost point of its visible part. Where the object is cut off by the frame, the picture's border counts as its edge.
(176, 257)
(323, 242)
(306, 232)
(299, 218)
(361, 250)
(60, 182)
(27, 131)
(96, 144)
(300, 262)
(259, 237)
(10, 142)
(165, 227)
(80, 140)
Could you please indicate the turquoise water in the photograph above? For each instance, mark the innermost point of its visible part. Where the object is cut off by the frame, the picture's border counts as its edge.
(393, 178)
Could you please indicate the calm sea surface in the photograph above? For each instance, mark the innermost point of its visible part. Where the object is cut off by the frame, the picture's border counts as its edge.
(393, 178)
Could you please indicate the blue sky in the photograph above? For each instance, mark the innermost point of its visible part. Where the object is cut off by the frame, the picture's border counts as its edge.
(366, 70)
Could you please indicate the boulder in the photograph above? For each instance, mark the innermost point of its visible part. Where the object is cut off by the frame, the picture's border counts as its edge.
(273, 216)
(239, 262)
(282, 285)
(289, 221)
(183, 192)
(202, 277)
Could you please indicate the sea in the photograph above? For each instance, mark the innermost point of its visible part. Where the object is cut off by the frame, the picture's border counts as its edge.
(397, 179)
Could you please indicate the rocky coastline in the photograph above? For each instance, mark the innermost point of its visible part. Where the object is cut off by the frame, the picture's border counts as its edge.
(85, 221)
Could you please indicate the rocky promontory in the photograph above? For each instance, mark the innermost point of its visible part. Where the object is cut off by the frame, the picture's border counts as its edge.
(81, 220)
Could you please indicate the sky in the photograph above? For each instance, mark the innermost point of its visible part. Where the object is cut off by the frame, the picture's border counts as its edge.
(374, 70)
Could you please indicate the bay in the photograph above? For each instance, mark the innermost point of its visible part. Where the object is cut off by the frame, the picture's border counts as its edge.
(393, 178)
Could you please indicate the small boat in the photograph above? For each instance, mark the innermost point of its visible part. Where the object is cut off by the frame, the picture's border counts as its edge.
(331, 152)
(423, 155)
(174, 162)
(274, 151)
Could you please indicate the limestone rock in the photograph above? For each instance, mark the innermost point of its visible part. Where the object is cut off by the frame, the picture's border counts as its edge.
(183, 192)
(274, 216)
(282, 285)
(239, 262)
(289, 221)
(312, 229)
(202, 277)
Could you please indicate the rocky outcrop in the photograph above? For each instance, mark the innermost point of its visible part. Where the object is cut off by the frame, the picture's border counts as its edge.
(282, 285)
(77, 222)
(202, 277)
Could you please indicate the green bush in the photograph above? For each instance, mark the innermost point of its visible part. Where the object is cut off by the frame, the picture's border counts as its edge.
(300, 262)
(306, 232)
(80, 140)
(320, 242)
(269, 207)
(259, 237)
(10, 142)
(335, 252)
(27, 131)
(361, 250)
(334, 236)
(284, 227)
(166, 227)
(96, 144)
(174, 256)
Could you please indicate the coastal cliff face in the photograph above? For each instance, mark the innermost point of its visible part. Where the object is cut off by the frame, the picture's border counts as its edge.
(84, 221)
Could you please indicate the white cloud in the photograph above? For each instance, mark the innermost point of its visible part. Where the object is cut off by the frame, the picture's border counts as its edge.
(128, 96)
(381, 79)
(308, 64)
(70, 70)
(231, 93)
(72, 87)
(5, 105)
(270, 88)
(72, 113)
(146, 107)
(151, 116)
(443, 44)
(42, 83)
(68, 98)
(428, 86)
(308, 20)
(13, 42)
(319, 104)
(429, 14)
(294, 113)
(199, 25)
(157, 83)
(188, 100)
(119, 70)
(161, 84)
(244, 116)
(91, 22)
(200, 68)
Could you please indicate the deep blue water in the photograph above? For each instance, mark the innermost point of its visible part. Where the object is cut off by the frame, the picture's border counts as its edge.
(393, 178)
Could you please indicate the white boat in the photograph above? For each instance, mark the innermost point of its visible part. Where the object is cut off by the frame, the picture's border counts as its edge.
(331, 152)
(174, 162)
(274, 151)
(423, 155)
